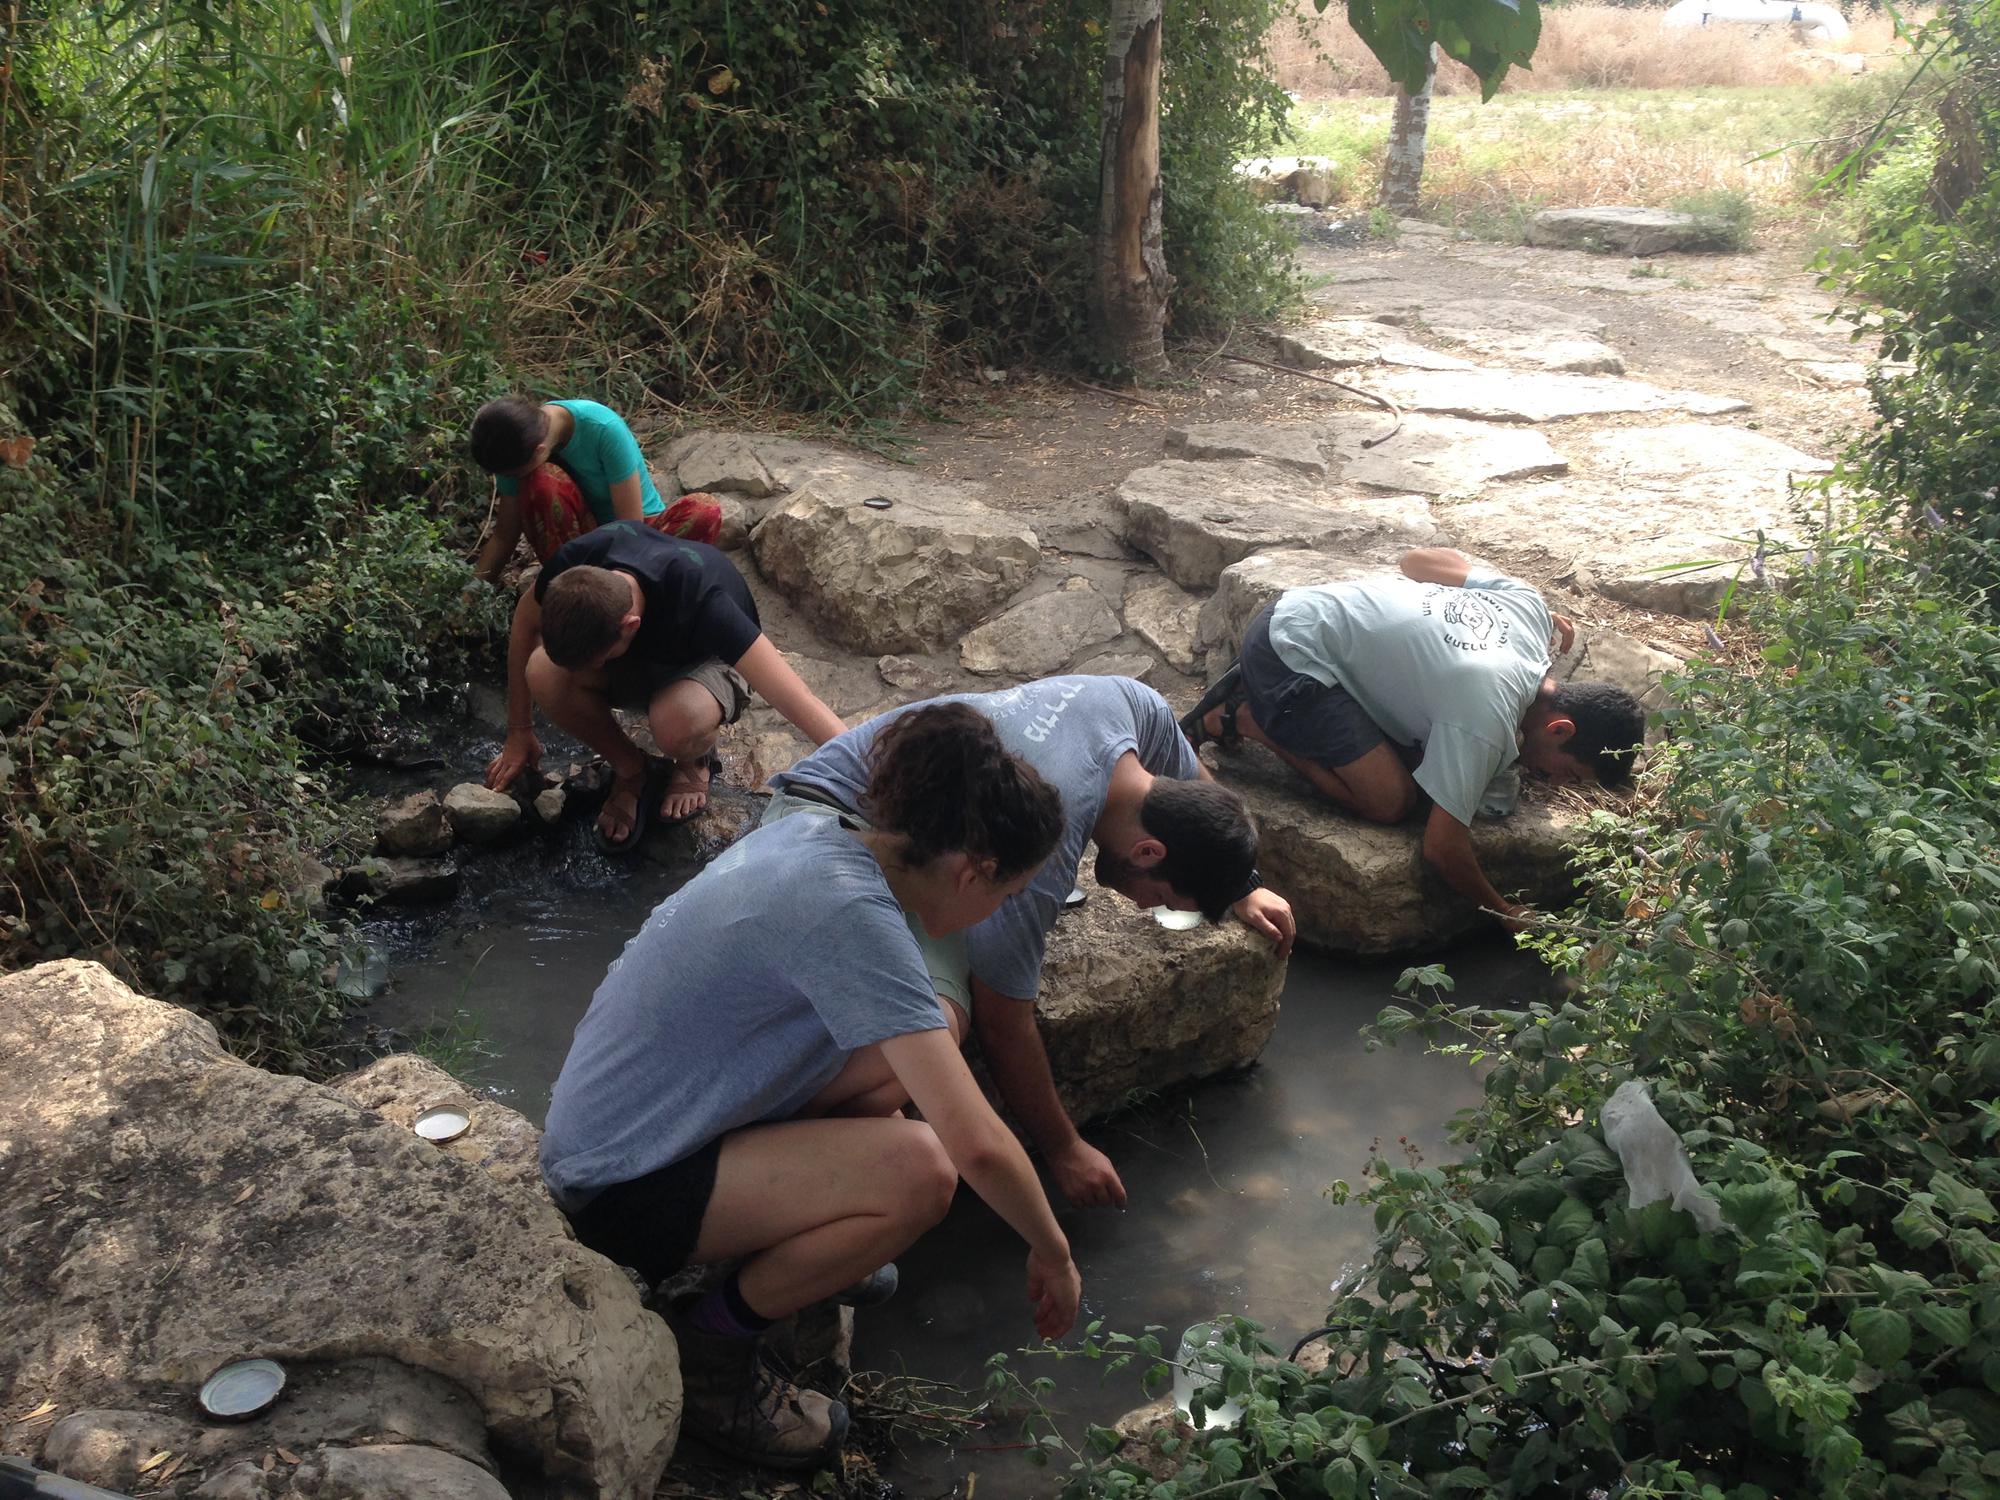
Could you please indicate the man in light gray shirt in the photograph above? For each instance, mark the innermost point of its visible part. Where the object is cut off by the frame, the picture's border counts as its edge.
(1445, 668)
(1166, 835)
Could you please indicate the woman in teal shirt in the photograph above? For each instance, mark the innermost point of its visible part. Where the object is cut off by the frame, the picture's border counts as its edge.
(563, 468)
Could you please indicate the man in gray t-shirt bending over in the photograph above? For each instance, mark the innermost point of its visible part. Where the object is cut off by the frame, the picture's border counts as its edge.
(1444, 668)
(1166, 835)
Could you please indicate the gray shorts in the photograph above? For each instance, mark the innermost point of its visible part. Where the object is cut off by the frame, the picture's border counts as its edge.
(947, 959)
(634, 684)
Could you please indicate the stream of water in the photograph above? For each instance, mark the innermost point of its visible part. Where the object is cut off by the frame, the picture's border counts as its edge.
(1228, 1211)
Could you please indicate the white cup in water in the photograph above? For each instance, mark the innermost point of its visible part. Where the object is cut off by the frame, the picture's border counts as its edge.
(1196, 1370)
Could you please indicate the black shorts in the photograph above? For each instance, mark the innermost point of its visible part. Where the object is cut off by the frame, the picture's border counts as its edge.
(651, 1223)
(1300, 713)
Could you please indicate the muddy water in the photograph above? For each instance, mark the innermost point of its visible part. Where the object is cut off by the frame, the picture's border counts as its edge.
(1228, 1210)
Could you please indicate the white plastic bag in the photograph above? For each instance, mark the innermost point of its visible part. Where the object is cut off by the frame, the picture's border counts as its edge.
(1655, 1162)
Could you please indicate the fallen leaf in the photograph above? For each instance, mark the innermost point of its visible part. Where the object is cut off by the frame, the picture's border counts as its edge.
(721, 81)
(270, 1462)
(39, 1412)
(174, 1468)
(288, 1456)
(15, 451)
(156, 1460)
(243, 1197)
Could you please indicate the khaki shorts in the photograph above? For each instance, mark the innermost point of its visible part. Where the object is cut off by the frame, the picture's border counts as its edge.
(946, 958)
(635, 684)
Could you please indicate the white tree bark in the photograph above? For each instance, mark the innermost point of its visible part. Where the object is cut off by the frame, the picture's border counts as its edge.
(1403, 167)
(1130, 314)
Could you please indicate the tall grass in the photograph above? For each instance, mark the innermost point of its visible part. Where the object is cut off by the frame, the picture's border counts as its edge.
(209, 167)
(1585, 47)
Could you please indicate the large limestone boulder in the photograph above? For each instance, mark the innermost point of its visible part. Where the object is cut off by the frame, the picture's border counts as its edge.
(1041, 635)
(1127, 1004)
(1247, 586)
(721, 463)
(1624, 231)
(1359, 887)
(911, 577)
(1195, 519)
(165, 1208)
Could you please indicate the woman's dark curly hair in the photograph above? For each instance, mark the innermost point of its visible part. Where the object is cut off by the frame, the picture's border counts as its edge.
(939, 776)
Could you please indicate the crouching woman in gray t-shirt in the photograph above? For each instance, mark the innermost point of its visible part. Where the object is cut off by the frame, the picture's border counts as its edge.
(735, 1089)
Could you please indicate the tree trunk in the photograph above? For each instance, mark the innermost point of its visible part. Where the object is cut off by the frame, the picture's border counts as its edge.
(1403, 169)
(1130, 315)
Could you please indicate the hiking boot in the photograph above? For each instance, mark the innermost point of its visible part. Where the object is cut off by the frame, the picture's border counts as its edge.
(872, 1290)
(741, 1405)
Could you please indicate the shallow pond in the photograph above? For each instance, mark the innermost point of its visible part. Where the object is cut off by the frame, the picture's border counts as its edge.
(1226, 1180)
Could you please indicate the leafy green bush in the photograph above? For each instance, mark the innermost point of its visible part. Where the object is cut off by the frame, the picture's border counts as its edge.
(1925, 275)
(1797, 946)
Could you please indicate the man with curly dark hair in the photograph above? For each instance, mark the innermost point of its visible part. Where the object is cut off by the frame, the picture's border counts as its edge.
(1387, 692)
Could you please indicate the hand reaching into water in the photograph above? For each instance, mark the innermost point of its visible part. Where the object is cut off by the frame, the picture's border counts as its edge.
(522, 752)
(1054, 1292)
(1087, 1177)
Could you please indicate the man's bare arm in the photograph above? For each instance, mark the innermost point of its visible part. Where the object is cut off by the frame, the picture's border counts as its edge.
(1448, 847)
(1012, 1047)
(1436, 565)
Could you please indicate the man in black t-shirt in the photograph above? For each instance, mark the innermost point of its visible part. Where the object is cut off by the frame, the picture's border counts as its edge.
(628, 617)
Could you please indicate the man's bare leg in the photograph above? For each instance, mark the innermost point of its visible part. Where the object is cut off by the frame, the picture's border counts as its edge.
(1377, 786)
(578, 702)
(686, 720)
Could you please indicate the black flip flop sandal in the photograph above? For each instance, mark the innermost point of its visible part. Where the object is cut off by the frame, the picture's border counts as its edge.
(1226, 693)
(714, 764)
(642, 814)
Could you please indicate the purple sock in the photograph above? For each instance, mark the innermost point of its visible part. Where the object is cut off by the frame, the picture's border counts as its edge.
(725, 1313)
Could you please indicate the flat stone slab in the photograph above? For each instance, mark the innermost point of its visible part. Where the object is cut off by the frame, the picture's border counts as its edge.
(1195, 519)
(1684, 448)
(1287, 447)
(1465, 317)
(1039, 636)
(1363, 888)
(913, 575)
(1128, 1005)
(1622, 231)
(1538, 396)
(1355, 343)
(166, 1208)
(1438, 455)
(1166, 617)
(1671, 543)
